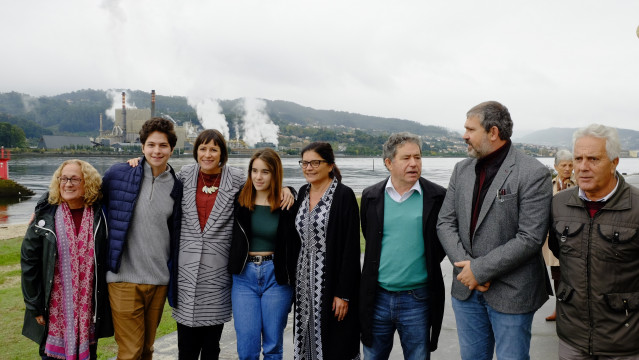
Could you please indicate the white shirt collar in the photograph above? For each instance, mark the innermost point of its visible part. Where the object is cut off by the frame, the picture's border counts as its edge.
(583, 196)
(392, 192)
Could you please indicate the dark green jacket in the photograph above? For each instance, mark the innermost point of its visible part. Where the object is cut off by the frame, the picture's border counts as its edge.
(598, 297)
(38, 258)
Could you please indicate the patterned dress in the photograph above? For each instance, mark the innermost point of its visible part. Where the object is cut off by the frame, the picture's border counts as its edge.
(312, 225)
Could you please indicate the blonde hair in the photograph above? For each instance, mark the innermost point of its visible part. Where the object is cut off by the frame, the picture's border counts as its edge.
(92, 183)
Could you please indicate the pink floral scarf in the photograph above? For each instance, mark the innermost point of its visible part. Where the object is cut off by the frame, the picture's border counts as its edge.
(71, 326)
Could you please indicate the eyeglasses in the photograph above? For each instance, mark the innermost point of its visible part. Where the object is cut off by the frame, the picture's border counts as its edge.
(314, 163)
(73, 180)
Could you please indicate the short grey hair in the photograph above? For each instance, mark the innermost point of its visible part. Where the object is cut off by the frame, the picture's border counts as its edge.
(397, 139)
(492, 113)
(562, 155)
(610, 134)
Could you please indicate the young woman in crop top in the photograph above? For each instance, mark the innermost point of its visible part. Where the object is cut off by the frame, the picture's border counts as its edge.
(263, 259)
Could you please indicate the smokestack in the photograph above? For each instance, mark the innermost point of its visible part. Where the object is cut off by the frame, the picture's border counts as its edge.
(124, 115)
(100, 124)
(152, 103)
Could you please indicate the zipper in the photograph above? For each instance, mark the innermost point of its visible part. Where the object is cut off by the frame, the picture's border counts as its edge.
(588, 280)
(46, 302)
(247, 244)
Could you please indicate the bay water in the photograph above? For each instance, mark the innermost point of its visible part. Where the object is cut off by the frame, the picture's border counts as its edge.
(35, 173)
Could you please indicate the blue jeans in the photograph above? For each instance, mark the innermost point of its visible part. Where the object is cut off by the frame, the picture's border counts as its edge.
(406, 311)
(480, 327)
(260, 311)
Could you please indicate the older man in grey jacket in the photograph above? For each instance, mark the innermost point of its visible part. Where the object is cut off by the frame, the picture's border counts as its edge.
(492, 226)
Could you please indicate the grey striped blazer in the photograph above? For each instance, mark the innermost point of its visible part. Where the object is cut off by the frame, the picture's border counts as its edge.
(204, 284)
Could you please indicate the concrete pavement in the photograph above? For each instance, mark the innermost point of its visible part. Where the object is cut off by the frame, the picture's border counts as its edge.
(543, 344)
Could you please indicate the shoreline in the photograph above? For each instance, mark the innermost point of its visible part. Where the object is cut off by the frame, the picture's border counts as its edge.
(10, 231)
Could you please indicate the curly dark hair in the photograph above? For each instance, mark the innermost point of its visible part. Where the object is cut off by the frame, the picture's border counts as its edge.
(159, 124)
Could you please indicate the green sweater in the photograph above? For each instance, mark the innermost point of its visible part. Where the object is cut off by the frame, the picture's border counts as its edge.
(403, 263)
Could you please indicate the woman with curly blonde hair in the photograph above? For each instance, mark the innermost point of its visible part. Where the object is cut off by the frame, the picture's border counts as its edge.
(63, 261)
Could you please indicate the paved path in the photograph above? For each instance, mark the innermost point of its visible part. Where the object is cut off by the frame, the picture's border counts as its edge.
(543, 345)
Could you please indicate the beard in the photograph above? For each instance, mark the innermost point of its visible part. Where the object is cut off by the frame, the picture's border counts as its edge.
(479, 151)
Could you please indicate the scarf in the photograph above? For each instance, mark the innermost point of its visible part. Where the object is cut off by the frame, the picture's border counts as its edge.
(71, 327)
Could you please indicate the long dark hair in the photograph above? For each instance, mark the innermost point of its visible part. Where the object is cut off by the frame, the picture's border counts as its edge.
(325, 151)
(274, 164)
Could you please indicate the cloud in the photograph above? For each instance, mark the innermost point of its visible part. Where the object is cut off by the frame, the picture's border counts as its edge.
(428, 61)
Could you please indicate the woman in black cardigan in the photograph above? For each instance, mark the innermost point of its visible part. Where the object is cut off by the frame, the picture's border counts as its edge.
(328, 269)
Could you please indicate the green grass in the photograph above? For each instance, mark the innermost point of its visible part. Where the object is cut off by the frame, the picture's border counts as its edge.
(10, 251)
(13, 344)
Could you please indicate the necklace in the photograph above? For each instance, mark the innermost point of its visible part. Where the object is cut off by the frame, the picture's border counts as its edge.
(209, 189)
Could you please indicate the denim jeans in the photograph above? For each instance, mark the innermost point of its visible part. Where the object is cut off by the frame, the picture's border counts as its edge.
(480, 327)
(260, 311)
(406, 311)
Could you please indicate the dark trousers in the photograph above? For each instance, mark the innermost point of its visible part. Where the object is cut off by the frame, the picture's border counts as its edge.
(204, 340)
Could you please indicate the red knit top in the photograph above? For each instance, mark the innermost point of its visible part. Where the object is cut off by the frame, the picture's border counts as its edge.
(203, 201)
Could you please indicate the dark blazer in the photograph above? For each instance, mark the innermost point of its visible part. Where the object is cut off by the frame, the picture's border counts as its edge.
(510, 232)
(372, 214)
(287, 243)
(340, 339)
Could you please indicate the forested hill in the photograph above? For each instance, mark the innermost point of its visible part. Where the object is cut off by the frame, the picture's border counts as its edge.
(78, 113)
(562, 138)
(291, 113)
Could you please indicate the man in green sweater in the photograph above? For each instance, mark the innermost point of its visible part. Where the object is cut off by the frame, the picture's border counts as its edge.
(401, 287)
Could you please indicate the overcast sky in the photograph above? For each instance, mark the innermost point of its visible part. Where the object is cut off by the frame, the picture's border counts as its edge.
(561, 63)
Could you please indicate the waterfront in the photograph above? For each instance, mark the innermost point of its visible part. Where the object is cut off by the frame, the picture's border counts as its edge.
(35, 173)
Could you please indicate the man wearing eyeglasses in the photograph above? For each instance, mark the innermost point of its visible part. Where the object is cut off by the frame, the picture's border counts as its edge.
(401, 286)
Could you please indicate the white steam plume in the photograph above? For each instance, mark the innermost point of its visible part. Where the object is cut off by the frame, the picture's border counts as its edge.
(28, 102)
(257, 124)
(116, 103)
(209, 112)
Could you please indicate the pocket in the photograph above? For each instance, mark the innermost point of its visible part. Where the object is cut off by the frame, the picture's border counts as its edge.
(623, 302)
(616, 244)
(568, 233)
(564, 292)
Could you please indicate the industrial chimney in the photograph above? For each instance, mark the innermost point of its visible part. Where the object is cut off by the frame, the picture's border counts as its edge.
(152, 103)
(100, 124)
(124, 115)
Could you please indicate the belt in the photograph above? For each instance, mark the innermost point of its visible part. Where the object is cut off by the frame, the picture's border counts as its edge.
(258, 259)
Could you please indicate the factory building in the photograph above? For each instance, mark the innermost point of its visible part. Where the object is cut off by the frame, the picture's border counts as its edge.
(128, 122)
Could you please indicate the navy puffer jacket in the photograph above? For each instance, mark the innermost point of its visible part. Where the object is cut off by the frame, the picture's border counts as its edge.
(120, 189)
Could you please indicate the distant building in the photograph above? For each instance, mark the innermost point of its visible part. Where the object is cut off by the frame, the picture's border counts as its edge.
(128, 123)
(49, 142)
(263, 144)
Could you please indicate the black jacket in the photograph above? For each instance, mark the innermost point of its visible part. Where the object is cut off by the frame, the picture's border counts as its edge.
(372, 214)
(340, 339)
(287, 243)
(37, 259)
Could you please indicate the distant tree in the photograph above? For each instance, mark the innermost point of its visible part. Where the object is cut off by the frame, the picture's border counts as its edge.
(11, 136)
